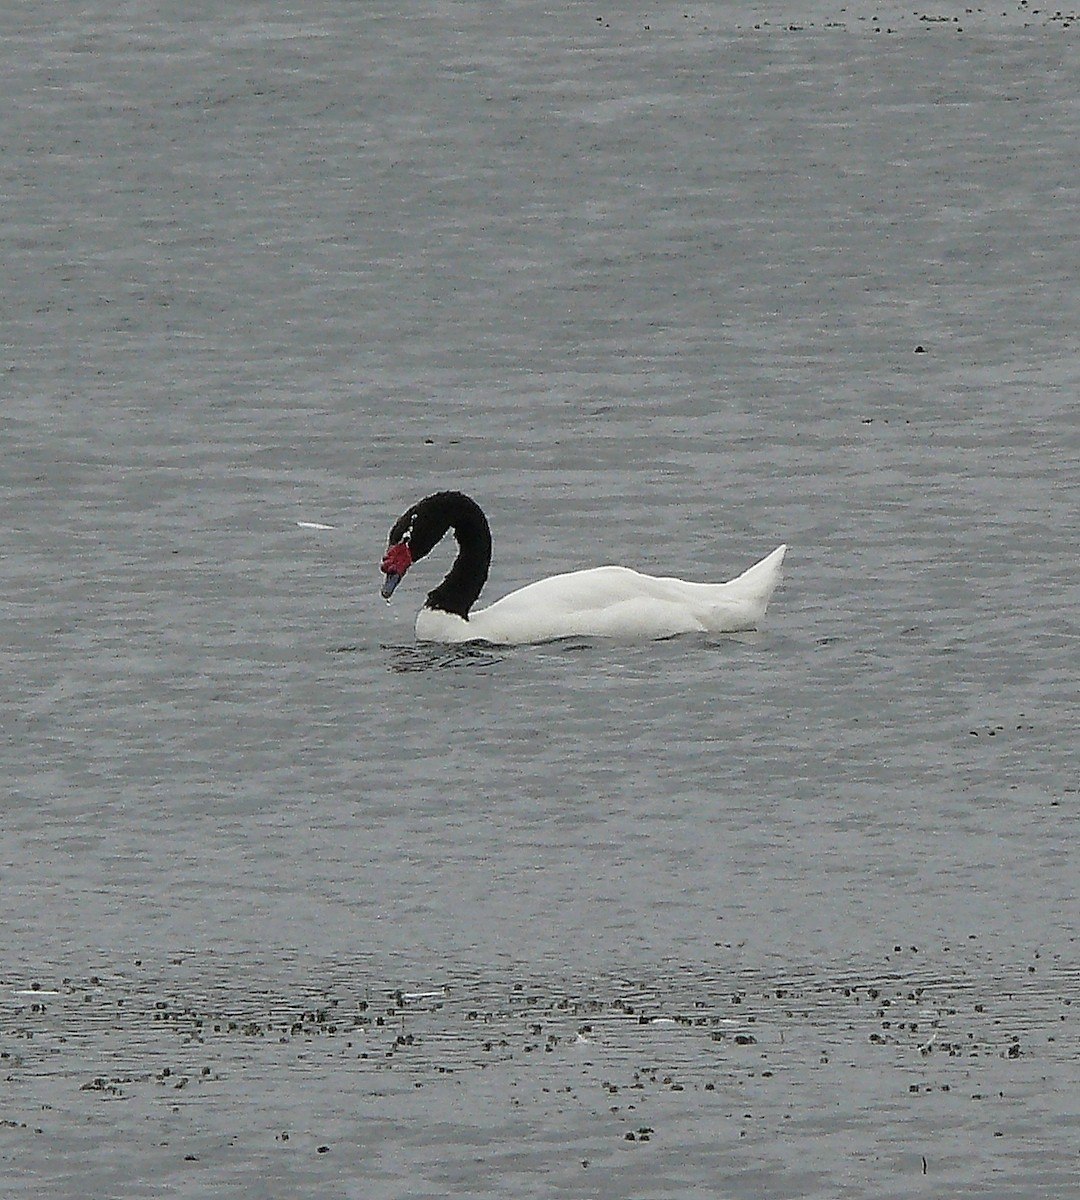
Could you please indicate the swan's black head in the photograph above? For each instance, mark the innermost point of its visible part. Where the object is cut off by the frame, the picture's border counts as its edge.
(420, 529)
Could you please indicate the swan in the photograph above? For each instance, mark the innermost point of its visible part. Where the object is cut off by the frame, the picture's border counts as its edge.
(600, 602)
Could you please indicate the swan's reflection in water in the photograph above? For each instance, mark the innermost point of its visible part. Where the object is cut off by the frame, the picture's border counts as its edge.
(430, 656)
(435, 656)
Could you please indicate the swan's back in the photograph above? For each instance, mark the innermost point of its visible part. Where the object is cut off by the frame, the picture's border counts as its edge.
(614, 602)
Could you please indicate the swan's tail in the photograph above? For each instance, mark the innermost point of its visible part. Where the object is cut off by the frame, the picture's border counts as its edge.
(756, 584)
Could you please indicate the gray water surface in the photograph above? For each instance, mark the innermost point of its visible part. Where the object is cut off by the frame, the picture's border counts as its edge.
(295, 906)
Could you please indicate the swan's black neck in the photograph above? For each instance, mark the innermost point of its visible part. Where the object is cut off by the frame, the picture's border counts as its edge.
(425, 525)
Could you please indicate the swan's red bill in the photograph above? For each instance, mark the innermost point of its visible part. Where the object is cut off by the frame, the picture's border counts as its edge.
(396, 562)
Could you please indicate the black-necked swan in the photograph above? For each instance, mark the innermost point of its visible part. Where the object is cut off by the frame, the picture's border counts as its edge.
(600, 602)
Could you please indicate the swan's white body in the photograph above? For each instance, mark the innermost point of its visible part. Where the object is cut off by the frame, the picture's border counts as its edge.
(612, 602)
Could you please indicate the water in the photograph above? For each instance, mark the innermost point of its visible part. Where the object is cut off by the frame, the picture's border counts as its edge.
(294, 906)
